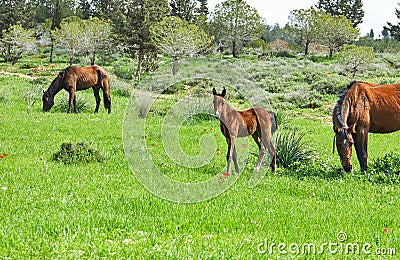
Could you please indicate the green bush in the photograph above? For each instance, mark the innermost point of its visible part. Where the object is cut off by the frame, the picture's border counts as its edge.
(291, 148)
(385, 170)
(81, 104)
(320, 168)
(76, 153)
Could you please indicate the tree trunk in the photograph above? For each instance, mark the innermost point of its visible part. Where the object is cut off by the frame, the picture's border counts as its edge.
(71, 60)
(175, 66)
(93, 58)
(234, 49)
(51, 53)
(306, 47)
(330, 53)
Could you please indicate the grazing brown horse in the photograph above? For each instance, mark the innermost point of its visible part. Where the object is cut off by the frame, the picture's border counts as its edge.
(363, 108)
(257, 122)
(75, 78)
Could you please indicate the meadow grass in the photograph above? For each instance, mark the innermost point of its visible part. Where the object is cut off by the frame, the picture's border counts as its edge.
(100, 210)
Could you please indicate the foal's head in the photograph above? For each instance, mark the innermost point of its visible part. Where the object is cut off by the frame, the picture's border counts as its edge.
(344, 142)
(219, 102)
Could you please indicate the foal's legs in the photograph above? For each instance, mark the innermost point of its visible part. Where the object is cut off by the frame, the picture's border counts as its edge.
(231, 153)
(267, 142)
(97, 97)
(263, 143)
(261, 149)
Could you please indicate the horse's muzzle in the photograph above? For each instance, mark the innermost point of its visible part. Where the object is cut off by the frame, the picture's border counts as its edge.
(217, 114)
(348, 168)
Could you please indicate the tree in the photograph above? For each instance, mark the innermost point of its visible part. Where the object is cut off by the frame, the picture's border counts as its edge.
(16, 12)
(351, 9)
(302, 27)
(235, 24)
(55, 24)
(83, 36)
(203, 7)
(273, 33)
(85, 9)
(179, 39)
(138, 16)
(184, 9)
(96, 36)
(354, 58)
(371, 34)
(15, 41)
(394, 29)
(335, 31)
(69, 36)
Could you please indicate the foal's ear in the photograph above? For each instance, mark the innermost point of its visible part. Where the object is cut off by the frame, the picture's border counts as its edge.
(223, 92)
(214, 92)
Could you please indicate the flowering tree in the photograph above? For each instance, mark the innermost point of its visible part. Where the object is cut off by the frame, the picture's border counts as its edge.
(178, 38)
(83, 36)
(16, 41)
(353, 58)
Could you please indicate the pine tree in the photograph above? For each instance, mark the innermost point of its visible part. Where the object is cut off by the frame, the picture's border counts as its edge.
(16, 12)
(203, 7)
(183, 9)
(138, 16)
(84, 9)
(351, 9)
(55, 23)
(394, 29)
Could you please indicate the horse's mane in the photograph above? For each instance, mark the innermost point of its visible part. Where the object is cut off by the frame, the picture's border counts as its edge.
(342, 94)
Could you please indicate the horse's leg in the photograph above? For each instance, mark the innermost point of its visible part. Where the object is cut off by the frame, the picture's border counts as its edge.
(106, 94)
(75, 108)
(235, 159)
(96, 91)
(229, 155)
(72, 100)
(261, 148)
(272, 153)
(361, 146)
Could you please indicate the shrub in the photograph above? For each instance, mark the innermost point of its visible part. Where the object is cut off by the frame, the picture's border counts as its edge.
(291, 148)
(320, 168)
(385, 170)
(81, 104)
(75, 153)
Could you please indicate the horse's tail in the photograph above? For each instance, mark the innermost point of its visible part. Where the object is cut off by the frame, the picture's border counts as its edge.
(103, 82)
(274, 122)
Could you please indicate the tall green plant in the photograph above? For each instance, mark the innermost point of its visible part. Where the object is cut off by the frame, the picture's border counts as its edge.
(291, 148)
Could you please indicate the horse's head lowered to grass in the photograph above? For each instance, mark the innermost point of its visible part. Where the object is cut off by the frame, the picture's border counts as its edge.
(364, 108)
(48, 95)
(344, 143)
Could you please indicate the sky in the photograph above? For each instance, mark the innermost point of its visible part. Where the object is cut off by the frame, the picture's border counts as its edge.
(376, 12)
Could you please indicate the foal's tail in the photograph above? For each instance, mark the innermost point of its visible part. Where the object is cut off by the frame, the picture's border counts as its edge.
(274, 122)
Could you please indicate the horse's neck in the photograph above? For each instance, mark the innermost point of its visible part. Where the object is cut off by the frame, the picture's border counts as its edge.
(229, 114)
(54, 90)
(345, 110)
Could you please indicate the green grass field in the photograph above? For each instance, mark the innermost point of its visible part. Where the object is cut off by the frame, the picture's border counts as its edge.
(100, 210)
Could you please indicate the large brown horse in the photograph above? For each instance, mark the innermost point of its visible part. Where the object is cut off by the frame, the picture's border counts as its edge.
(257, 122)
(75, 78)
(363, 108)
